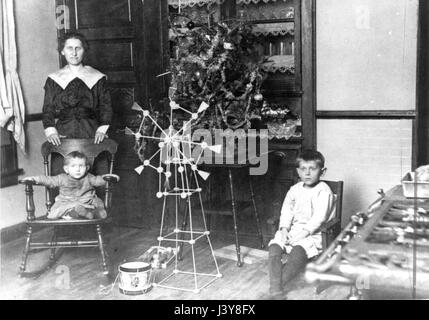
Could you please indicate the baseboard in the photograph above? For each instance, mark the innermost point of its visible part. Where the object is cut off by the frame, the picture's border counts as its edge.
(13, 232)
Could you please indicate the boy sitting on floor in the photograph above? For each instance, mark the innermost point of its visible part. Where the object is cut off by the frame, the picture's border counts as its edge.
(307, 205)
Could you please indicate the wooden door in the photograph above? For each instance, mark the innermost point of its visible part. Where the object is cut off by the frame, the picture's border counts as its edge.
(127, 41)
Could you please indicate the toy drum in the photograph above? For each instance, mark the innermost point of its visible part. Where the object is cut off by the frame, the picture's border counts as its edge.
(135, 278)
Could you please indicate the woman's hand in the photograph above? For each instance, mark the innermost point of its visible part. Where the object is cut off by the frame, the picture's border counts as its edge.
(55, 139)
(29, 179)
(99, 137)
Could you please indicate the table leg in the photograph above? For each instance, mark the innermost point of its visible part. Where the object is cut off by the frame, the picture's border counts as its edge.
(258, 222)
(234, 216)
(182, 236)
(210, 200)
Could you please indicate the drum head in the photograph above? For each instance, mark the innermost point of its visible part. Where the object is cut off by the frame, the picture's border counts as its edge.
(136, 266)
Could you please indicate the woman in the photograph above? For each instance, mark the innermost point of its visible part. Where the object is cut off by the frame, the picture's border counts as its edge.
(77, 95)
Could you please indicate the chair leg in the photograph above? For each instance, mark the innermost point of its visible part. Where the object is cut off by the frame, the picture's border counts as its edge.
(234, 216)
(184, 225)
(26, 249)
(103, 252)
(53, 249)
(209, 221)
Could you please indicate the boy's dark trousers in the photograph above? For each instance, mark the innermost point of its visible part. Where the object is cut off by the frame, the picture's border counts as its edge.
(281, 273)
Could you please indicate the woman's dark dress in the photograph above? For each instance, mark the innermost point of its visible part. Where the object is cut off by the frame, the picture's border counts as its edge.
(80, 110)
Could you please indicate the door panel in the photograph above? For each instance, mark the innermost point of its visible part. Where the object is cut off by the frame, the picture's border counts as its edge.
(127, 40)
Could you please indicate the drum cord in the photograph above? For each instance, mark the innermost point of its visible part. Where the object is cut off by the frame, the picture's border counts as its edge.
(105, 290)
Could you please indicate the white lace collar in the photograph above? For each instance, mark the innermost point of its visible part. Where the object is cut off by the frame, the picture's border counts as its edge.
(87, 74)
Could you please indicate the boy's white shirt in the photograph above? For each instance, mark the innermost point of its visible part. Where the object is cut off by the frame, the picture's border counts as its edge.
(305, 209)
(301, 200)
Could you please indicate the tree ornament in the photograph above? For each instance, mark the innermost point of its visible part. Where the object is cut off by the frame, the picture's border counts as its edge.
(219, 63)
(190, 25)
(258, 97)
(228, 46)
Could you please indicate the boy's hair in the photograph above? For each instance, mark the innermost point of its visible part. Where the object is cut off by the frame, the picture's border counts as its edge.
(311, 155)
(74, 155)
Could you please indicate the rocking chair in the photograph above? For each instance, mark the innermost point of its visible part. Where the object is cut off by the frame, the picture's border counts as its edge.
(91, 150)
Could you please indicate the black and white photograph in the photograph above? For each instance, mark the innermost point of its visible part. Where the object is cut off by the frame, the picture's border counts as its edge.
(217, 155)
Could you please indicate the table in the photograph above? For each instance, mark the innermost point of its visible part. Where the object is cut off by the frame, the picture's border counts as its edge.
(234, 207)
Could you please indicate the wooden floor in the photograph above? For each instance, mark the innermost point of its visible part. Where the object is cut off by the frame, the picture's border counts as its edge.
(77, 274)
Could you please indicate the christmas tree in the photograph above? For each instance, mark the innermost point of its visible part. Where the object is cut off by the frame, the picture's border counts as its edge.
(220, 64)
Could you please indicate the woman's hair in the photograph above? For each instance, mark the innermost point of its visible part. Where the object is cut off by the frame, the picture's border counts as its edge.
(311, 155)
(75, 155)
(73, 35)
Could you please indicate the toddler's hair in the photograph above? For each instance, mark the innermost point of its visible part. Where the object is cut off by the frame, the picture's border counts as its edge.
(74, 155)
(311, 155)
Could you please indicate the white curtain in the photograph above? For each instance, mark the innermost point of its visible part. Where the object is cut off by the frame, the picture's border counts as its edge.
(12, 111)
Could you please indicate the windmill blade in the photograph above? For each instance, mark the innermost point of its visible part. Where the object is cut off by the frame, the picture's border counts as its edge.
(216, 148)
(128, 131)
(136, 107)
(139, 169)
(203, 106)
(163, 74)
(203, 174)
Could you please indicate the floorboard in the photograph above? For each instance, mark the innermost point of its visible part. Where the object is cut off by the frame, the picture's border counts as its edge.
(77, 274)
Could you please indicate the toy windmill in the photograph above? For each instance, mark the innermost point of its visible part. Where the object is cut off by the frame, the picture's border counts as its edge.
(178, 177)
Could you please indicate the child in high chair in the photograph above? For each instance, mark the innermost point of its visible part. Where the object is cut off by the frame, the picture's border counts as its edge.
(307, 205)
(77, 197)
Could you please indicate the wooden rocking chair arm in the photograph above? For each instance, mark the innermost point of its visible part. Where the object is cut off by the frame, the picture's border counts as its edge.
(29, 182)
(29, 199)
(108, 194)
(111, 179)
